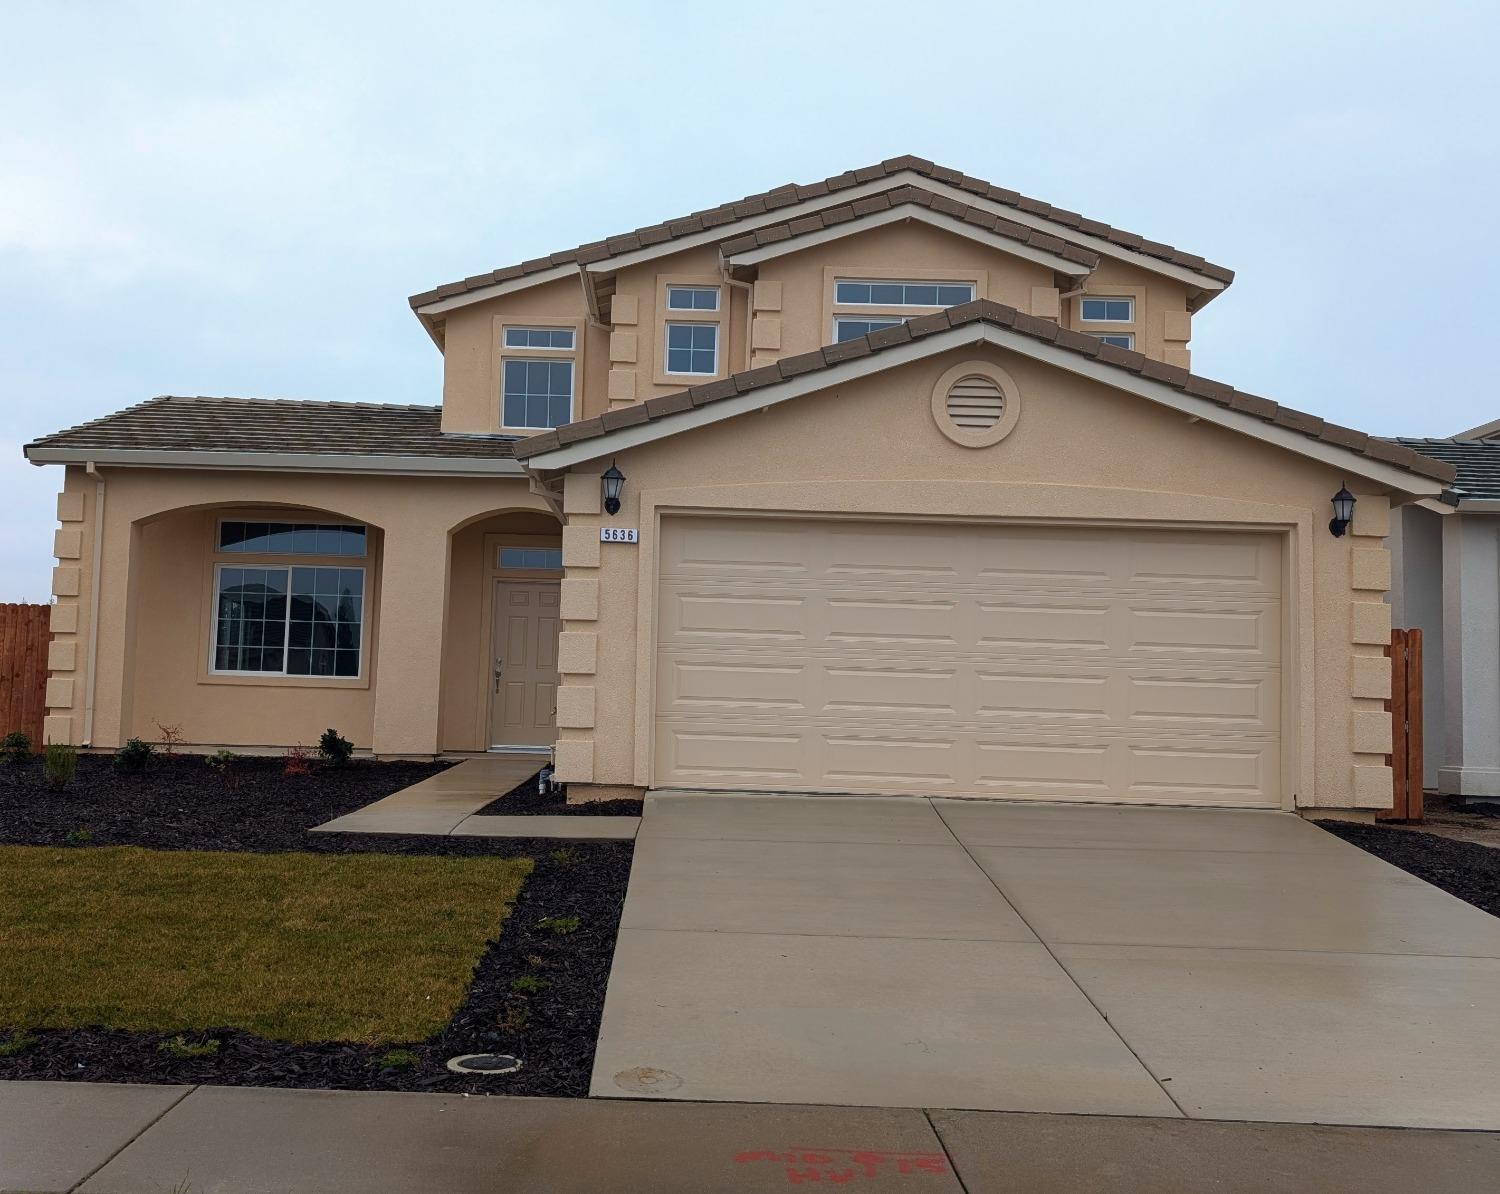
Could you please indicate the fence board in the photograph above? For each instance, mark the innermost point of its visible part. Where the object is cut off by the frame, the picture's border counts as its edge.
(1405, 706)
(24, 635)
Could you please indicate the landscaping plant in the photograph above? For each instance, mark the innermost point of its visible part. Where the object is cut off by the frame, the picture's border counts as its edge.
(58, 764)
(15, 749)
(334, 748)
(296, 761)
(223, 761)
(171, 738)
(133, 756)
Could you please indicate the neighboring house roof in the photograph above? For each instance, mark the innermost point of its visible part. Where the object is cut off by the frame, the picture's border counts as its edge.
(784, 236)
(265, 432)
(754, 206)
(1477, 462)
(1483, 431)
(1085, 353)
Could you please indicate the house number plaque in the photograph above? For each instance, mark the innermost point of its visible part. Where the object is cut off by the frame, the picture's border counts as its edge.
(619, 535)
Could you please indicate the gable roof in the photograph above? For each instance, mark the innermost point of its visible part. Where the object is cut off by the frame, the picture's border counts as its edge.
(1476, 462)
(669, 413)
(852, 215)
(273, 432)
(791, 194)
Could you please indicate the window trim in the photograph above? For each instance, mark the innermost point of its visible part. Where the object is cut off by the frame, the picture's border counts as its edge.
(267, 560)
(834, 274)
(1108, 298)
(903, 280)
(666, 338)
(673, 312)
(505, 569)
(558, 358)
(499, 354)
(653, 332)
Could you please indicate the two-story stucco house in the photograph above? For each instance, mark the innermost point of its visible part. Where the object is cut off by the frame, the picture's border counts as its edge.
(894, 482)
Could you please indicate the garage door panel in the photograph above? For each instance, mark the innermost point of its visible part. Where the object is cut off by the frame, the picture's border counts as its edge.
(1044, 663)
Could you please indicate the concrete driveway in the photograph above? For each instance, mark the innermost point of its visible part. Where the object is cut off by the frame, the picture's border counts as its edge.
(1027, 957)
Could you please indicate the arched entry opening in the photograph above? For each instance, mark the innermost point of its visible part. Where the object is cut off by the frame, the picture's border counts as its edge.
(500, 650)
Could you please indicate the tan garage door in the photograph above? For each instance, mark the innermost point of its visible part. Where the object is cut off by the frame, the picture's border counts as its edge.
(1026, 662)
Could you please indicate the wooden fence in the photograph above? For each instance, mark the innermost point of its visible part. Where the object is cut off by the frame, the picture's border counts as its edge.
(1406, 726)
(24, 636)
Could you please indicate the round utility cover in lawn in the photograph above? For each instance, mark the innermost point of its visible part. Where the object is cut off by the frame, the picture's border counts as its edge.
(485, 1063)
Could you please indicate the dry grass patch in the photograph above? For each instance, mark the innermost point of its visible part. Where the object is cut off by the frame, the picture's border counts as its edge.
(369, 948)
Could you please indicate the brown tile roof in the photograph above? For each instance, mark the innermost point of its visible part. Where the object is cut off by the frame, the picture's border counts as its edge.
(984, 311)
(177, 424)
(792, 193)
(833, 216)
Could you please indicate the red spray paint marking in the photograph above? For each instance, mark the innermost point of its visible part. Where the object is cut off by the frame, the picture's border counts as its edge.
(839, 1166)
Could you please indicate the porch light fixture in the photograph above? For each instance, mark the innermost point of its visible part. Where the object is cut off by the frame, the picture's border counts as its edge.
(1343, 512)
(613, 481)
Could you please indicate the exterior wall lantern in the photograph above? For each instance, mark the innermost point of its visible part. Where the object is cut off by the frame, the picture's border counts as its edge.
(614, 480)
(1343, 512)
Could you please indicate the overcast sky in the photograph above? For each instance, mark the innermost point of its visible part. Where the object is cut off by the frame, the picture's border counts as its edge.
(237, 198)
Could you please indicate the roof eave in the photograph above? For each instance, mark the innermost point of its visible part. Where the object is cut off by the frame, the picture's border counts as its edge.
(478, 466)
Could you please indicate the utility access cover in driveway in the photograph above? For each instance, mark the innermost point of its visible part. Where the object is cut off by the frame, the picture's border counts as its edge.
(893, 951)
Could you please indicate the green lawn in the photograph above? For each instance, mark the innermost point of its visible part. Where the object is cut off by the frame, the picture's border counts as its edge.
(369, 948)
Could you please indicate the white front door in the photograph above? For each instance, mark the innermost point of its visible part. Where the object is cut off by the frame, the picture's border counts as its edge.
(523, 663)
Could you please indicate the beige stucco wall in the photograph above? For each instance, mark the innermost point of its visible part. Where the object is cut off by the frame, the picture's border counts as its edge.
(155, 607)
(793, 312)
(1080, 451)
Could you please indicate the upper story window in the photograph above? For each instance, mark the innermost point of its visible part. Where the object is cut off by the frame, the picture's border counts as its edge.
(553, 338)
(1118, 339)
(845, 328)
(693, 298)
(537, 374)
(903, 294)
(693, 348)
(1107, 310)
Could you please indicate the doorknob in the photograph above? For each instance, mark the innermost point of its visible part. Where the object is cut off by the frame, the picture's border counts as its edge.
(499, 670)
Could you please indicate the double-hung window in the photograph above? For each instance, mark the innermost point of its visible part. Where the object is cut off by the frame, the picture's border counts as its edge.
(536, 377)
(690, 346)
(300, 617)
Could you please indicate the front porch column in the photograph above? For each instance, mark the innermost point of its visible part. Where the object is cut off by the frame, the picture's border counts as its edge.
(409, 665)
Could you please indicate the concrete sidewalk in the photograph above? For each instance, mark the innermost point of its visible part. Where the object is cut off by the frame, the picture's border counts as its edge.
(445, 805)
(107, 1139)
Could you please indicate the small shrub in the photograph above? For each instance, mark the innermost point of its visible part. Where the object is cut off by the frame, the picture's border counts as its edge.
(514, 1018)
(133, 756)
(171, 738)
(223, 761)
(399, 1059)
(80, 836)
(296, 761)
(16, 1043)
(528, 984)
(561, 925)
(334, 748)
(59, 763)
(182, 1049)
(566, 856)
(15, 749)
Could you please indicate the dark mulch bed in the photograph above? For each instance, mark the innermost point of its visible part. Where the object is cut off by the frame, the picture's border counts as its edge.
(552, 1030)
(1463, 869)
(179, 802)
(524, 800)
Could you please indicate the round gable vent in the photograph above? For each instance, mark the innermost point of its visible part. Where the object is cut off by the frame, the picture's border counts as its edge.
(976, 404)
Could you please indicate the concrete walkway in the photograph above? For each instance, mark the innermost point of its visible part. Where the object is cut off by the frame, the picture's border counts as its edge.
(1051, 958)
(102, 1139)
(445, 804)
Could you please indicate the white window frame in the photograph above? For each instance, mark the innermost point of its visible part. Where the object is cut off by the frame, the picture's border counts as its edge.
(697, 289)
(848, 317)
(508, 328)
(521, 355)
(838, 302)
(1107, 336)
(286, 646)
(1128, 299)
(666, 345)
